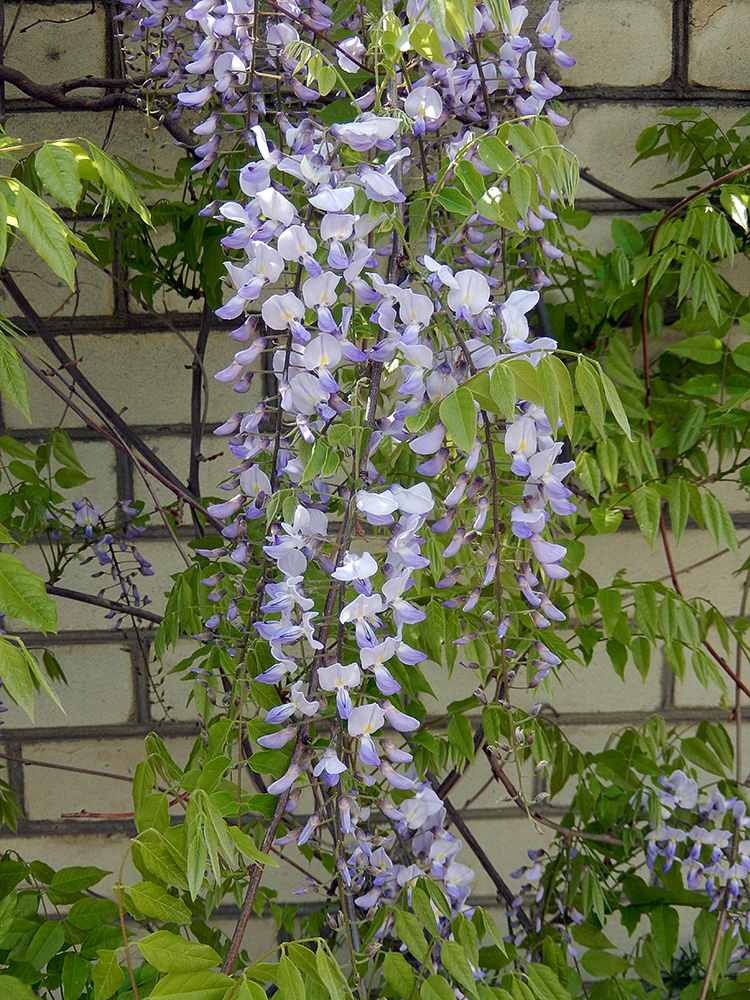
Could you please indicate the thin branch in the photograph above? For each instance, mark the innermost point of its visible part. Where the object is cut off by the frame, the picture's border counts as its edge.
(57, 96)
(499, 775)
(107, 436)
(101, 404)
(102, 602)
(28, 762)
(645, 203)
(196, 414)
(502, 887)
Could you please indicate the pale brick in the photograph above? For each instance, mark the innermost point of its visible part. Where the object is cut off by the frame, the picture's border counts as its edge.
(719, 54)
(54, 44)
(145, 376)
(99, 690)
(624, 45)
(597, 688)
(603, 138)
(49, 797)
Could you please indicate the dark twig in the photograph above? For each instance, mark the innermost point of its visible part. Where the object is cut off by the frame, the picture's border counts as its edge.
(102, 602)
(57, 96)
(111, 437)
(196, 408)
(101, 404)
(503, 889)
(645, 203)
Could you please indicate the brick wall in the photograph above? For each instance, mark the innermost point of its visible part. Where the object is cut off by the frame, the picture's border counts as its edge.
(635, 59)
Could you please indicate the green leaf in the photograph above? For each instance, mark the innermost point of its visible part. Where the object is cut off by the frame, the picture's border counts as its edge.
(705, 349)
(75, 975)
(329, 972)
(610, 605)
(545, 982)
(290, 981)
(436, 988)
(192, 986)
(76, 879)
(23, 596)
(496, 155)
(615, 403)
(601, 963)
(46, 233)
(679, 506)
(154, 901)
(3, 228)
(640, 649)
(14, 989)
(626, 236)
(411, 934)
(606, 520)
(548, 378)
(169, 952)
(455, 962)
(45, 944)
(426, 42)
(453, 201)
(647, 509)
(398, 974)
(588, 388)
(647, 965)
(503, 388)
(246, 845)
(471, 179)
(459, 414)
(107, 974)
(698, 753)
(665, 929)
(461, 737)
(14, 669)
(704, 931)
(117, 182)
(57, 168)
(13, 382)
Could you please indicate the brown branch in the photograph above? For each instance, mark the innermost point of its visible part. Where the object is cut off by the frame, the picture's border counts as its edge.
(102, 602)
(65, 767)
(57, 96)
(502, 887)
(99, 402)
(499, 775)
(196, 415)
(107, 436)
(629, 199)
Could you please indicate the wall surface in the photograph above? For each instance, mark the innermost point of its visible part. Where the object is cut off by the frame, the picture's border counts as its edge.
(635, 59)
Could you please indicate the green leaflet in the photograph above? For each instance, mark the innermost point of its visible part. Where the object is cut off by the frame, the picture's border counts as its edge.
(459, 414)
(117, 182)
(46, 233)
(169, 952)
(58, 170)
(108, 975)
(13, 382)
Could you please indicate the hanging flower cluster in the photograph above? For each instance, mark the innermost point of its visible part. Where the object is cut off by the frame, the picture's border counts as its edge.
(369, 329)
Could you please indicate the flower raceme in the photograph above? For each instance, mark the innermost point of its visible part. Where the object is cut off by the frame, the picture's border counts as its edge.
(367, 339)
